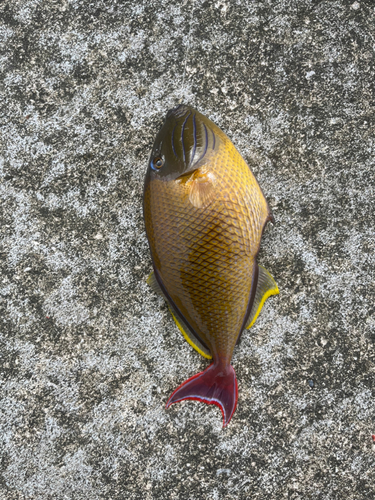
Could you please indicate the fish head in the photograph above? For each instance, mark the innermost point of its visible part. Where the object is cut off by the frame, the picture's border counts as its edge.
(186, 139)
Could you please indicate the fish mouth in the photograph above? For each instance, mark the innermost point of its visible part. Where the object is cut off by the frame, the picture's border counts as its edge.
(179, 111)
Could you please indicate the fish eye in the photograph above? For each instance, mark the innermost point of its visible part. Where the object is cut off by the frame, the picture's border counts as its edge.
(157, 163)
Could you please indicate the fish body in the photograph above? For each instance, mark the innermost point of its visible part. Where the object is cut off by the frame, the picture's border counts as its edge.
(204, 214)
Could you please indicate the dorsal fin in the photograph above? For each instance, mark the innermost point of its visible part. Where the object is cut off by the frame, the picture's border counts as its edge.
(266, 287)
(182, 326)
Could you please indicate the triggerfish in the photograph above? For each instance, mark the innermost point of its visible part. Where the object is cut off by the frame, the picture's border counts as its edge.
(204, 214)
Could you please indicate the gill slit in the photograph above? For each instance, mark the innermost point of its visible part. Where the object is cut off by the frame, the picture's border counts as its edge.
(213, 134)
(174, 151)
(195, 140)
(206, 143)
(182, 135)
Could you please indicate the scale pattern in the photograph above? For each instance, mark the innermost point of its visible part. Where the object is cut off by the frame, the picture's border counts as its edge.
(205, 256)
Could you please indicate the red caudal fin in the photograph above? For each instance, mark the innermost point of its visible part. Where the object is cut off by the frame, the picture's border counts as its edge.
(216, 385)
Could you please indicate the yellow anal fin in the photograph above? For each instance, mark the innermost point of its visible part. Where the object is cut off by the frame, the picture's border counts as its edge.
(265, 288)
(189, 337)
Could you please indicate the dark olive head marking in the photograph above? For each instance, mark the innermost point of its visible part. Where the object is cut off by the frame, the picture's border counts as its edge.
(184, 140)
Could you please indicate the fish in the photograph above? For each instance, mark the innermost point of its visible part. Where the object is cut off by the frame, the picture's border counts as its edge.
(204, 215)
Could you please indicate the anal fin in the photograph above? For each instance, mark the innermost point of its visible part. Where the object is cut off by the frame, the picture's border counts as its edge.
(182, 326)
(265, 288)
(189, 337)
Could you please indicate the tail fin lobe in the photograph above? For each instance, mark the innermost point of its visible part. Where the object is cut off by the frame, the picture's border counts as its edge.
(216, 385)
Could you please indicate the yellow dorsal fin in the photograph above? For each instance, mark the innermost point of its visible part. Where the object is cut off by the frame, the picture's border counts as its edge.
(189, 337)
(265, 288)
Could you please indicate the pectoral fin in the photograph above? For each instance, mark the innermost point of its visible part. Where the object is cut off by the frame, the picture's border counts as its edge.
(201, 188)
(266, 286)
(182, 326)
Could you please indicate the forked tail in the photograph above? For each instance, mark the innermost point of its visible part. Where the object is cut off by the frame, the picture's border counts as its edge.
(216, 385)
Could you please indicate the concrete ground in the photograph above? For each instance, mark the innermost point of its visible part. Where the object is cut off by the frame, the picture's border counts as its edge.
(89, 354)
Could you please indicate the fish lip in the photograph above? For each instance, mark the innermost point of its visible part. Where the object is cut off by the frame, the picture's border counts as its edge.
(178, 111)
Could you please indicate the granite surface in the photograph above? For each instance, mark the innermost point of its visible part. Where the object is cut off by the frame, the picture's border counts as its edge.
(88, 353)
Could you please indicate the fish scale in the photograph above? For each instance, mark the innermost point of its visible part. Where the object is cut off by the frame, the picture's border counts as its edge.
(172, 214)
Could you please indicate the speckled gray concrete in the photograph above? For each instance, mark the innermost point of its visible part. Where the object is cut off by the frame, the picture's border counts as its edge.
(89, 355)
